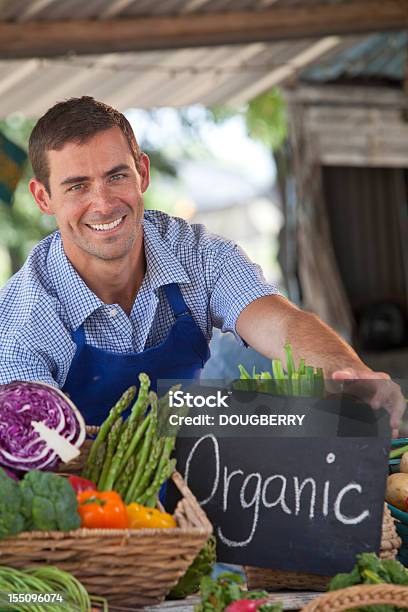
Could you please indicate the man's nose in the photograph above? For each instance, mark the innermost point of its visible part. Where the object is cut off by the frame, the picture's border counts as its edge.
(101, 199)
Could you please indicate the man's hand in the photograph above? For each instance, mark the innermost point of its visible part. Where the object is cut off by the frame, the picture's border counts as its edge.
(377, 389)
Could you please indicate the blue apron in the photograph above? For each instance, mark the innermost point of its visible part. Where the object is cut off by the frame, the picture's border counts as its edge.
(97, 378)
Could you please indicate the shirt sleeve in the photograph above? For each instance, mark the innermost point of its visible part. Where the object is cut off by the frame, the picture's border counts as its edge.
(237, 282)
(20, 364)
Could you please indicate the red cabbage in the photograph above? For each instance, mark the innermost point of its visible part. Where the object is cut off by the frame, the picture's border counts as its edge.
(21, 402)
(11, 474)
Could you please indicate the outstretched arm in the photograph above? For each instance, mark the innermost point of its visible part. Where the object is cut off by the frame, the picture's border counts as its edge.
(269, 322)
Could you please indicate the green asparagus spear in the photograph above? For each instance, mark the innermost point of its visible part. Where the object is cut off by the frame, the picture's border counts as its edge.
(150, 469)
(295, 384)
(112, 442)
(244, 375)
(279, 376)
(168, 446)
(290, 364)
(123, 454)
(144, 453)
(142, 401)
(150, 496)
(310, 380)
(97, 463)
(319, 387)
(123, 481)
(303, 385)
(103, 432)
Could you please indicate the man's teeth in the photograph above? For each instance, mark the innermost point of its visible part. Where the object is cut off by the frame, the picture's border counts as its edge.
(106, 226)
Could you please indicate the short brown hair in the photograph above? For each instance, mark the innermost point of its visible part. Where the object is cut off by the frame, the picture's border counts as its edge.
(74, 120)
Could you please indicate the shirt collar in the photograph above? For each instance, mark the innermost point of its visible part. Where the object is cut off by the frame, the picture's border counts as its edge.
(79, 302)
(162, 265)
(77, 299)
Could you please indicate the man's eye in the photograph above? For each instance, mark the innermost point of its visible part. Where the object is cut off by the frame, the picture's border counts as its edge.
(76, 187)
(117, 177)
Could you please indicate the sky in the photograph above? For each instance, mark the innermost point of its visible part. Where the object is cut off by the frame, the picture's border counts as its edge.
(228, 142)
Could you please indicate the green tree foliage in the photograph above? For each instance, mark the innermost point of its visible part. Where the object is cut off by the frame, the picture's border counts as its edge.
(265, 117)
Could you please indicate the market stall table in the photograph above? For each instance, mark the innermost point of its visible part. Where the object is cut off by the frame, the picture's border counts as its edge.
(291, 601)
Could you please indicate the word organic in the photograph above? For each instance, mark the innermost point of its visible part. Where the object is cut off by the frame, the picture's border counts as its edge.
(278, 493)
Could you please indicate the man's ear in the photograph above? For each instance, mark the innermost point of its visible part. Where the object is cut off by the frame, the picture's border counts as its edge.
(41, 196)
(144, 172)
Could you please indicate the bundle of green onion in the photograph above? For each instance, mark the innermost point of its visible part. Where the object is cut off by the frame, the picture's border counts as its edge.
(306, 381)
(44, 589)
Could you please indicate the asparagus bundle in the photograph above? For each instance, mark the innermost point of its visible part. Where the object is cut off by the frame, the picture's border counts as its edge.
(129, 456)
(305, 381)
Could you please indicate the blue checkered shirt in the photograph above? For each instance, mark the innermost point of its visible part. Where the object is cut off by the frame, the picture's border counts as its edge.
(46, 300)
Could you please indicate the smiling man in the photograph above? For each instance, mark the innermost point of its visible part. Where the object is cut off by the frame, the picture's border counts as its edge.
(118, 290)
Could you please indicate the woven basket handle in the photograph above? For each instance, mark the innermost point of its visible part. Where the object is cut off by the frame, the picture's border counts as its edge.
(360, 595)
(189, 504)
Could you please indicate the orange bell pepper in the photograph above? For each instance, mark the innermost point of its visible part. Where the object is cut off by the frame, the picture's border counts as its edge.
(141, 517)
(102, 510)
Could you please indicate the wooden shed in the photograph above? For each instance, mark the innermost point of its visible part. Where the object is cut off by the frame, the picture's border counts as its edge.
(348, 156)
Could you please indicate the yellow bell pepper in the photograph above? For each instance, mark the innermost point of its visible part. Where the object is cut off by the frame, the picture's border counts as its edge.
(141, 517)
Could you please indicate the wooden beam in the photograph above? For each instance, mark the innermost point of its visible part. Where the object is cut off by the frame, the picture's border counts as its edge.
(54, 38)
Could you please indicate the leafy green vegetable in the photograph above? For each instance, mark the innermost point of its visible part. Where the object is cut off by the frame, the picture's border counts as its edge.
(201, 566)
(369, 569)
(11, 517)
(305, 381)
(48, 502)
(217, 594)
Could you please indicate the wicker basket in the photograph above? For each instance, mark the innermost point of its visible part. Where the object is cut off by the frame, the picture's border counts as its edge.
(260, 578)
(130, 567)
(400, 516)
(358, 596)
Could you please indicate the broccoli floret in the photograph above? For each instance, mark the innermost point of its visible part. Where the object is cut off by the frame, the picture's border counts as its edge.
(49, 502)
(369, 569)
(396, 571)
(11, 518)
(341, 581)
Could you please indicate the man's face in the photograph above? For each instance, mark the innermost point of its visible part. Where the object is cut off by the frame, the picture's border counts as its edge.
(96, 196)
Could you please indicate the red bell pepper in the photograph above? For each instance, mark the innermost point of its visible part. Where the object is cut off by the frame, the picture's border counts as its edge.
(245, 605)
(81, 484)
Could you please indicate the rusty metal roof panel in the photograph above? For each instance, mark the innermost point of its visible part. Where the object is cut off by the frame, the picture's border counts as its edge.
(206, 75)
(50, 10)
(381, 56)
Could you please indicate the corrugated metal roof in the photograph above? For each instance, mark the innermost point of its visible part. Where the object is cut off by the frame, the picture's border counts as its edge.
(205, 75)
(23, 10)
(381, 56)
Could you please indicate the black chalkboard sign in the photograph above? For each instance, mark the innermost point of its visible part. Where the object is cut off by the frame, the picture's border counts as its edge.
(308, 503)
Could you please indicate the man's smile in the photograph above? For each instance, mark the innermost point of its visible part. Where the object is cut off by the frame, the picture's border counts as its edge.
(105, 227)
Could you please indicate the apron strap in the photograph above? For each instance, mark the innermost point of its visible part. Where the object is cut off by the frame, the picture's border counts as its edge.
(78, 336)
(176, 300)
